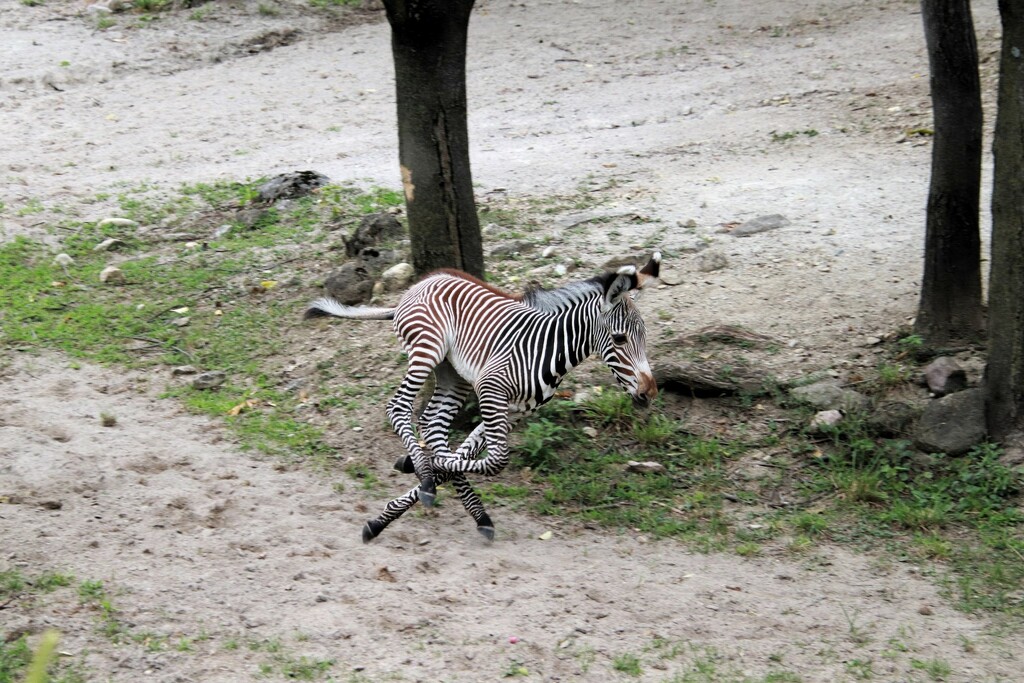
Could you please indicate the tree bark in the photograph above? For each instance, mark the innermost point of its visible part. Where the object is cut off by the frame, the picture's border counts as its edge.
(950, 307)
(428, 43)
(1004, 374)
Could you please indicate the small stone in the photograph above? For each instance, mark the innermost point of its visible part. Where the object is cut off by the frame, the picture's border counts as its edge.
(925, 610)
(397, 277)
(829, 395)
(109, 244)
(181, 322)
(548, 251)
(590, 432)
(825, 419)
(648, 467)
(561, 269)
(945, 376)
(760, 224)
(209, 380)
(711, 260)
(117, 223)
(63, 260)
(221, 231)
(184, 370)
(112, 275)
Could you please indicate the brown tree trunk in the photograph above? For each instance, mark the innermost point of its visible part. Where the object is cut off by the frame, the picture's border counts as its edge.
(428, 42)
(1004, 375)
(950, 306)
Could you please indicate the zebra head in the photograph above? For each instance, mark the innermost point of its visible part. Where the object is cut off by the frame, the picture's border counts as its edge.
(620, 336)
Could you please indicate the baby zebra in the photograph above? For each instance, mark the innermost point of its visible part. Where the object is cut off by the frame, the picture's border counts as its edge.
(512, 350)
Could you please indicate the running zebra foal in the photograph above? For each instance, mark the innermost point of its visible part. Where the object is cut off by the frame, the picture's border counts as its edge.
(513, 350)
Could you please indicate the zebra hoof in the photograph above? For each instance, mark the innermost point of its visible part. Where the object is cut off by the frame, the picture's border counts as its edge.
(428, 492)
(487, 532)
(404, 465)
(371, 530)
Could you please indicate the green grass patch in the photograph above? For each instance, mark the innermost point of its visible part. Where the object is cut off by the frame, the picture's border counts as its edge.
(960, 513)
(216, 304)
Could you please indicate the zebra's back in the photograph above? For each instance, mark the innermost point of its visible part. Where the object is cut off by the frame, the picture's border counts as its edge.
(459, 317)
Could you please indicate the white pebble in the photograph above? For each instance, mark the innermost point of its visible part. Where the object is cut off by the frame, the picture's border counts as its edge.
(112, 275)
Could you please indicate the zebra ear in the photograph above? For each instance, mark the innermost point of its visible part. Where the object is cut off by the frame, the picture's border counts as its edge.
(649, 273)
(625, 279)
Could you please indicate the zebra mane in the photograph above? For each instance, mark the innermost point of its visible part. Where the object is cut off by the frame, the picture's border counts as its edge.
(553, 300)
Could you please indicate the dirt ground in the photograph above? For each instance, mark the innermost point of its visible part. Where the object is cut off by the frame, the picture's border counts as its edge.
(686, 116)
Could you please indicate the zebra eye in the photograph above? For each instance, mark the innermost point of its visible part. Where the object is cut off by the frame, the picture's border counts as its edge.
(618, 339)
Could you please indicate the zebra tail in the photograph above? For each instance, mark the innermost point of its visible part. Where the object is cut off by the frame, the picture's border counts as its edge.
(328, 306)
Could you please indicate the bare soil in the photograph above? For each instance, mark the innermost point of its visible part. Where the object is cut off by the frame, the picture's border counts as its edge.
(685, 119)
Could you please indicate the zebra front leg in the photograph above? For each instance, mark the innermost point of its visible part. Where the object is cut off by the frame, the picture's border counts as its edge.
(494, 430)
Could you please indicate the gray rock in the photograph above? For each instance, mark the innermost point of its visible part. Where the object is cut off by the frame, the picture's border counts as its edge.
(513, 248)
(373, 230)
(184, 370)
(112, 275)
(824, 419)
(894, 418)
(291, 185)
(397, 277)
(617, 262)
(209, 380)
(351, 284)
(711, 260)
(376, 259)
(952, 424)
(830, 395)
(945, 376)
(760, 224)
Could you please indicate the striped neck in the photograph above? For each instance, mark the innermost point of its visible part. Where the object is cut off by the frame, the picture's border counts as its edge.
(563, 298)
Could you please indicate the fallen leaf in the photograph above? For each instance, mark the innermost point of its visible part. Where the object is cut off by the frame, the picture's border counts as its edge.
(545, 536)
(244, 405)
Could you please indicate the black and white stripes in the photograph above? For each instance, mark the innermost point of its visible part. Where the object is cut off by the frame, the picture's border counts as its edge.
(512, 350)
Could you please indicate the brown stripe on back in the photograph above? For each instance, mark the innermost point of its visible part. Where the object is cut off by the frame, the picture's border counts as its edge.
(477, 281)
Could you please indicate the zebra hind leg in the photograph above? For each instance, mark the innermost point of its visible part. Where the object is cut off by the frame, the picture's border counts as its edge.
(400, 414)
(392, 511)
(474, 506)
(396, 508)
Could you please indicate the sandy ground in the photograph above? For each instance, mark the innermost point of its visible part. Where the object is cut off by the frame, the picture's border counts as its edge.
(703, 111)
